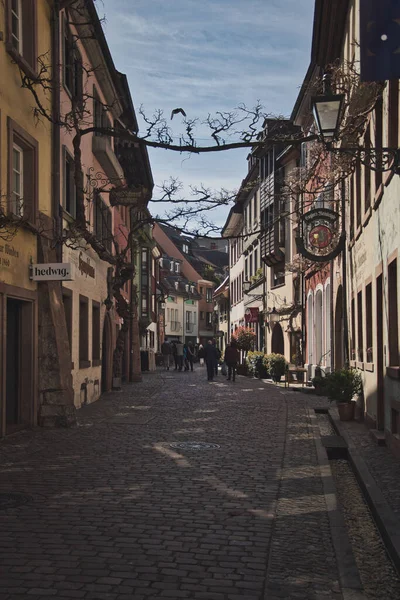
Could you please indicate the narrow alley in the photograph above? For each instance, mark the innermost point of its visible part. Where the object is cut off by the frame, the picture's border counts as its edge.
(120, 508)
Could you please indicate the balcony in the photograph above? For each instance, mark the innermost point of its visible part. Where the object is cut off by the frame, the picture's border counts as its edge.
(102, 149)
(175, 326)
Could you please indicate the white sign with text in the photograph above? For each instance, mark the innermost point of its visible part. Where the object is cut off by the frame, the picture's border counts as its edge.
(52, 272)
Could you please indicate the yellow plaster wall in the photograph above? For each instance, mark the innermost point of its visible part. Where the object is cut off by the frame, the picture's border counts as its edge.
(18, 104)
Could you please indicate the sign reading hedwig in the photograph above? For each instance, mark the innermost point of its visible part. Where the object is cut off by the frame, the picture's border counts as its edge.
(321, 238)
(52, 272)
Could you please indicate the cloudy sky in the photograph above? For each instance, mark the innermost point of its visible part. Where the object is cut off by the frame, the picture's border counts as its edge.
(205, 56)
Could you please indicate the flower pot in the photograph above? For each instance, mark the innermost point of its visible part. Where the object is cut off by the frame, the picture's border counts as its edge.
(346, 410)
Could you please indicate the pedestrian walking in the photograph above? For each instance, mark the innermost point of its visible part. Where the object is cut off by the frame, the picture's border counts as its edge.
(174, 354)
(211, 359)
(218, 356)
(201, 355)
(179, 354)
(232, 358)
(190, 354)
(185, 357)
(166, 351)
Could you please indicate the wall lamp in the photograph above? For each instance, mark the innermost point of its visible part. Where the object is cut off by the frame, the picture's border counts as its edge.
(328, 111)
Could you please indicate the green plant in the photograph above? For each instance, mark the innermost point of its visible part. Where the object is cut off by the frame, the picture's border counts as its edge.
(257, 364)
(244, 337)
(277, 365)
(343, 385)
(319, 383)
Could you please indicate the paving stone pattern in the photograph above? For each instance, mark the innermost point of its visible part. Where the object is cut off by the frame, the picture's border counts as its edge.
(381, 463)
(119, 514)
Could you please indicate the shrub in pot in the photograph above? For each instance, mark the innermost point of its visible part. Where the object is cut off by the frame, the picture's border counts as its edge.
(319, 384)
(340, 387)
(277, 366)
(252, 361)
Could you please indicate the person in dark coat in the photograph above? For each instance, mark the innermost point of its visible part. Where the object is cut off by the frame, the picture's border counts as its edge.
(190, 354)
(175, 355)
(232, 358)
(211, 359)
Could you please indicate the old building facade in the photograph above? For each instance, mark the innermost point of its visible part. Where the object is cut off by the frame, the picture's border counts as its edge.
(26, 207)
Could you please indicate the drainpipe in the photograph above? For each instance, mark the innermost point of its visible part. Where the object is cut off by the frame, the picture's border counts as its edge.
(56, 150)
(331, 317)
(344, 282)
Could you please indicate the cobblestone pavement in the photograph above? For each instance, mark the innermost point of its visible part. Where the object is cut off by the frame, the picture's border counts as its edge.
(381, 463)
(116, 513)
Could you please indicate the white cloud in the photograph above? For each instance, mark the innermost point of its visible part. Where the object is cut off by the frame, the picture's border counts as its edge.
(207, 56)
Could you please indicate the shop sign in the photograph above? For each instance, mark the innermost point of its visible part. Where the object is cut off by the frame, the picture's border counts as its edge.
(85, 267)
(320, 237)
(252, 315)
(52, 272)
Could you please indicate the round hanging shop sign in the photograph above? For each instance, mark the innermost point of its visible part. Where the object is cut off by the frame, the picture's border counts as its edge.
(320, 236)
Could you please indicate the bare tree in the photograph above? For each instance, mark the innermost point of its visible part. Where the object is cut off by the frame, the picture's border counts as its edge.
(243, 127)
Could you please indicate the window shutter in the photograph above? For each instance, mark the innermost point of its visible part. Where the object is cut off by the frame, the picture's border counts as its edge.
(29, 32)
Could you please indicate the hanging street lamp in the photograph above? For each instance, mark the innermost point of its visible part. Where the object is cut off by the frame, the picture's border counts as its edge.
(328, 113)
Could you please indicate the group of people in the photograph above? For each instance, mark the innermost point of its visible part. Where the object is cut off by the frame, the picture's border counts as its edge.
(183, 356)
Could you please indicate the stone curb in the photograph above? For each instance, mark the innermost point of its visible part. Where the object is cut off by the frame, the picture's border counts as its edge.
(350, 583)
(386, 520)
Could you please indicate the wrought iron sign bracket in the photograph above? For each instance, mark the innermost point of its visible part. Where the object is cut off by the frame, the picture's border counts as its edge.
(376, 159)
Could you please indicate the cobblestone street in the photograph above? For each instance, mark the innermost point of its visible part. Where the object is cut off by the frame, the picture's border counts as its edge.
(115, 512)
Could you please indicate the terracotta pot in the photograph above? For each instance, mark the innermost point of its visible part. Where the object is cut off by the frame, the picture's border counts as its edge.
(346, 410)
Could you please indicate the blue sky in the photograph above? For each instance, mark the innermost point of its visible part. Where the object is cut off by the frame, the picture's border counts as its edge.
(209, 55)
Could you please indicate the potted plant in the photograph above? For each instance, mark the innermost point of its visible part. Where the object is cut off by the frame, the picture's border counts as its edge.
(319, 384)
(341, 386)
(277, 366)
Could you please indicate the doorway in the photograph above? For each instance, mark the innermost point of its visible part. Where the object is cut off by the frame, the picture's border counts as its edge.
(106, 355)
(339, 340)
(19, 365)
(277, 343)
(379, 355)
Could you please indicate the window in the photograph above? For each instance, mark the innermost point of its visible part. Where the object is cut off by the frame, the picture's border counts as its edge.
(358, 193)
(21, 33)
(23, 172)
(360, 339)
(69, 199)
(16, 25)
(144, 282)
(278, 274)
(246, 269)
(255, 260)
(378, 137)
(67, 301)
(102, 222)
(251, 265)
(100, 118)
(393, 315)
(17, 197)
(201, 290)
(177, 267)
(194, 317)
(368, 319)
(72, 66)
(185, 248)
(152, 338)
(83, 333)
(171, 266)
(367, 173)
(209, 294)
(95, 331)
(353, 330)
(201, 316)
(393, 120)
(209, 319)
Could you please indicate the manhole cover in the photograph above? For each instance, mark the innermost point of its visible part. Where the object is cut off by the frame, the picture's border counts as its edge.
(194, 445)
(12, 500)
